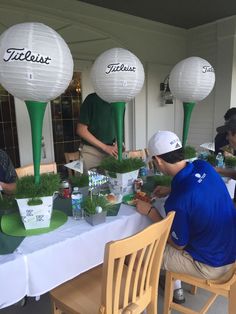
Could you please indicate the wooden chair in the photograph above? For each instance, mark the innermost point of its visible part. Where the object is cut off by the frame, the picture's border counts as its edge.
(69, 157)
(29, 169)
(225, 286)
(139, 153)
(127, 282)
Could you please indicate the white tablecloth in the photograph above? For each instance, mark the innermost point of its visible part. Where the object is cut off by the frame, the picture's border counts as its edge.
(43, 262)
(13, 278)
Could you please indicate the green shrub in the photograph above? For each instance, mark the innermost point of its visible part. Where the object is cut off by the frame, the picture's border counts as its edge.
(111, 164)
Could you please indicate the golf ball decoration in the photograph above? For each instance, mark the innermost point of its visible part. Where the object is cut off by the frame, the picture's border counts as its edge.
(98, 209)
(35, 62)
(117, 75)
(192, 79)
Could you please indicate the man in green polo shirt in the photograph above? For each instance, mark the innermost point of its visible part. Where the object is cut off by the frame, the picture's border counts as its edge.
(96, 127)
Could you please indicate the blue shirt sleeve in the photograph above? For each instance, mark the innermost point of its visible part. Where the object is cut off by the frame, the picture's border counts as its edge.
(180, 228)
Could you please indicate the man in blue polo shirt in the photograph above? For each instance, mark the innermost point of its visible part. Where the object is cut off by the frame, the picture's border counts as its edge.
(203, 235)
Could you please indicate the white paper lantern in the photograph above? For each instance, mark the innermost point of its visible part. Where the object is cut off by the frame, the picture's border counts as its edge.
(35, 62)
(117, 75)
(192, 79)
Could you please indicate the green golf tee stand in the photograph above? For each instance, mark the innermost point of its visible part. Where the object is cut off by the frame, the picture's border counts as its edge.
(119, 109)
(36, 112)
(188, 108)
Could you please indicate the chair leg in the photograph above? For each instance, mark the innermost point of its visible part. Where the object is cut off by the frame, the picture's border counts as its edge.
(55, 310)
(232, 299)
(193, 290)
(169, 286)
(152, 308)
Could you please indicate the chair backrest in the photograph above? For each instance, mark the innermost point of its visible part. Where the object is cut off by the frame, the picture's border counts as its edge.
(139, 153)
(71, 156)
(29, 169)
(131, 269)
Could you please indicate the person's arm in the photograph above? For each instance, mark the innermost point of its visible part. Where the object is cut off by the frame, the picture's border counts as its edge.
(8, 188)
(82, 131)
(149, 210)
(161, 191)
(230, 173)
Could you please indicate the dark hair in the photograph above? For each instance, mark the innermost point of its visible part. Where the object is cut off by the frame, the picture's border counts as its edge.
(230, 113)
(232, 127)
(174, 156)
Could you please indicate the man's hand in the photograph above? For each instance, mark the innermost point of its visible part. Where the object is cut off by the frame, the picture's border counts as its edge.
(111, 150)
(161, 191)
(142, 207)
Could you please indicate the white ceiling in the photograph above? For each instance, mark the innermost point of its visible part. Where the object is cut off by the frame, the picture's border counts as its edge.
(181, 13)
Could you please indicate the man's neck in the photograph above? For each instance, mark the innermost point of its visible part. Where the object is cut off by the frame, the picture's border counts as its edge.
(173, 169)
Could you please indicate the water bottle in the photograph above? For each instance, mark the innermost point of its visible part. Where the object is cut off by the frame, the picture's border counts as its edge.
(220, 160)
(76, 202)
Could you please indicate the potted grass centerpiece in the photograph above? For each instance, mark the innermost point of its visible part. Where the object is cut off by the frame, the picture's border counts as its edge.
(121, 173)
(35, 201)
(95, 209)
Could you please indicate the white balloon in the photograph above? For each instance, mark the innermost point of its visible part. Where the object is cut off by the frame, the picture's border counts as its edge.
(192, 79)
(117, 75)
(35, 62)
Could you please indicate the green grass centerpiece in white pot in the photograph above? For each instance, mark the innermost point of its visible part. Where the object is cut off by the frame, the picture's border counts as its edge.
(95, 209)
(35, 201)
(121, 173)
(36, 66)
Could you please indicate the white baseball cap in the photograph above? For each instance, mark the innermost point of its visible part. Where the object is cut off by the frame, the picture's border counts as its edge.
(163, 142)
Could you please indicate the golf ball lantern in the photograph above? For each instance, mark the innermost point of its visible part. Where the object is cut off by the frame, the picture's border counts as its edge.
(117, 76)
(35, 62)
(35, 66)
(191, 80)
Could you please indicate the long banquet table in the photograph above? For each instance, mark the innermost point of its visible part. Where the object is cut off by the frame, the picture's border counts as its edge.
(45, 261)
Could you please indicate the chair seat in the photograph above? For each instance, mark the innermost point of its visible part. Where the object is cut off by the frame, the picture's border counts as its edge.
(81, 294)
(225, 286)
